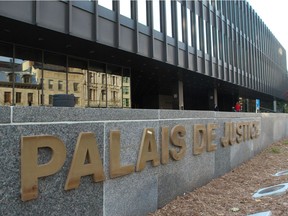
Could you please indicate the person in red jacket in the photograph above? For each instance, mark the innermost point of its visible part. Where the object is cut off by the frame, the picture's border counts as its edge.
(237, 107)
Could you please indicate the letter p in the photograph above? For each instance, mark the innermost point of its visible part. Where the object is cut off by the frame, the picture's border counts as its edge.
(31, 170)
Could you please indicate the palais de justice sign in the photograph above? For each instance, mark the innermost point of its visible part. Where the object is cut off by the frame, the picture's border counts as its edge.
(87, 160)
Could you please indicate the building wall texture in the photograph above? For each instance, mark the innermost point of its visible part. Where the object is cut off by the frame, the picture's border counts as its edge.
(137, 193)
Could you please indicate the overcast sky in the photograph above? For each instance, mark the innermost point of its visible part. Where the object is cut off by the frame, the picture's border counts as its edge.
(275, 15)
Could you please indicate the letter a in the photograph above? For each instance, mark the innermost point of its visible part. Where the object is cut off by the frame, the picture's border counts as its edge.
(86, 145)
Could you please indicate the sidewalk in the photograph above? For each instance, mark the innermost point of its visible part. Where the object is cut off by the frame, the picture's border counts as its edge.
(232, 193)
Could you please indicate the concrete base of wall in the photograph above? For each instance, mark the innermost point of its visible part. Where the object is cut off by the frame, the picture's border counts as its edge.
(137, 193)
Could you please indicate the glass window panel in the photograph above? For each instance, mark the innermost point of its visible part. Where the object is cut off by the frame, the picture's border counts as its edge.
(156, 15)
(54, 70)
(168, 18)
(212, 42)
(125, 8)
(189, 27)
(205, 37)
(106, 3)
(114, 86)
(6, 74)
(179, 22)
(77, 72)
(197, 33)
(142, 12)
(96, 79)
(126, 83)
(28, 76)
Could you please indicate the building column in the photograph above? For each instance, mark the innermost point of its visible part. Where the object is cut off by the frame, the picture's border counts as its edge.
(275, 105)
(180, 95)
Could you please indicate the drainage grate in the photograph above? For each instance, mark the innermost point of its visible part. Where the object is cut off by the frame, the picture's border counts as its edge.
(272, 191)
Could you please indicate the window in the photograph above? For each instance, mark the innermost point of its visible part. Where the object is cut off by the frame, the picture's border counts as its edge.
(205, 36)
(103, 94)
(156, 15)
(7, 97)
(125, 90)
(189, 27)
(30, 97)
(168, 18)
(77, 99)
(50, 99)
(60, 85)
(103, 78)
(18, 97)
(197, 33)
(11, 77)
(27, 78)
(126, 79)
(126, 102)
(114, 95)
(106, 3)
(114, 80)
(50, 84)
(76, 87)
(142, 12)
(179, 22)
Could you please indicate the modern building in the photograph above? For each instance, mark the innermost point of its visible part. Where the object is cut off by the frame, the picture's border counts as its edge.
(140, 54)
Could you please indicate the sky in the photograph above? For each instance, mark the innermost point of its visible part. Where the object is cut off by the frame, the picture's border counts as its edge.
(274, 14)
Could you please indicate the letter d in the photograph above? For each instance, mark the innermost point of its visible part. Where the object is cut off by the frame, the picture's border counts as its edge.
(31, 170)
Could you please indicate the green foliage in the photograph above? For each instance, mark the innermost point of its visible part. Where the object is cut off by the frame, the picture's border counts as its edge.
(275, 150)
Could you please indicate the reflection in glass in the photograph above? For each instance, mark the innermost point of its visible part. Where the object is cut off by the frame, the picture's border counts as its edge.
(156, 15)
(114, 86)
(77, 71)
(125, 8)
(28, 76)
(168, 18)
(106, 3)
(96, 85)
(142, 12)
(126, 89)
(179, 22)
(54, 76)
(6, 74)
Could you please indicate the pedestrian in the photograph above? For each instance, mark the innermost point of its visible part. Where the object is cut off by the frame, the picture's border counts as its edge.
(237, 107)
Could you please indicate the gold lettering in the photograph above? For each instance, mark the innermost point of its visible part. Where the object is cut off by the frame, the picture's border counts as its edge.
(116, 169)
(211, 136)
(148, 150)
(225, 139)
(86, 150)
(199, 135)
(178, 134)
(164, 145)
(239, 132)
(31, 170)
(232, 133)
(257, 129)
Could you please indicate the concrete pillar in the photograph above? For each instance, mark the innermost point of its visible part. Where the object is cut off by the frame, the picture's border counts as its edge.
(180, 95)
(275, 105)
(247, 105)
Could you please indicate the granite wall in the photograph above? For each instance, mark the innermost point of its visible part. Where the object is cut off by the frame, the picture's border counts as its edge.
(137, 193)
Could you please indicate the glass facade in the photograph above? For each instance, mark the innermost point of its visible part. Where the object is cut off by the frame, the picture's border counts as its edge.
(31, 77)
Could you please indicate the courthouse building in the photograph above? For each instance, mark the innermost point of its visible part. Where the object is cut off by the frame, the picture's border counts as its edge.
(158, 54)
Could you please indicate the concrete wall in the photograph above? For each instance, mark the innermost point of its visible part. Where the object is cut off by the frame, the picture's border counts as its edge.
(135, 194)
